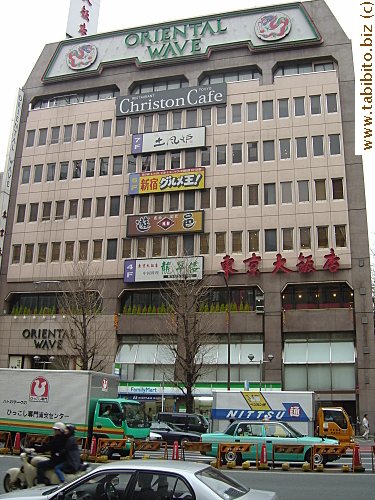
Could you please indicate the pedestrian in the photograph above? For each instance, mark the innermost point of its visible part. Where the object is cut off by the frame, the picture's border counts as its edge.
(55, 446)
(365, 426)
(71, 455)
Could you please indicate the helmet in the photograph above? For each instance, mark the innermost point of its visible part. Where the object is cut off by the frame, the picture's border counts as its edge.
(70, 427)
(60, 426)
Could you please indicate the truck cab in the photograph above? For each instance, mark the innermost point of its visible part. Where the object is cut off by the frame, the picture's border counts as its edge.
(334, 423)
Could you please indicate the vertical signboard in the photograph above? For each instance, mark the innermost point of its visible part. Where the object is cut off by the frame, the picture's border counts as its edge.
(83, 18)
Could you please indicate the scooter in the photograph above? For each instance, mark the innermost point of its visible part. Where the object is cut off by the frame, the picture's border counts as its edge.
(18, 478)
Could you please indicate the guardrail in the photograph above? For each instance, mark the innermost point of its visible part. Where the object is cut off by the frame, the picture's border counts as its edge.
(138, 445)
(5, 442)
(202, 447)
(331, 450)
(235, 448)
(285, 449)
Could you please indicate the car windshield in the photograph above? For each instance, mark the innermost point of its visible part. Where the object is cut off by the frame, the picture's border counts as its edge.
(225, 487)
(135, 414)
(292, 430)
(230, 429)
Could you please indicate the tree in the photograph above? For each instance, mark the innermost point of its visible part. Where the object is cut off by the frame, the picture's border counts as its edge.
(185, 332)
(81, 302)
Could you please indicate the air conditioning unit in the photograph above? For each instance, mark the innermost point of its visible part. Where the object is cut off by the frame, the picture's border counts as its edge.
(259, 309)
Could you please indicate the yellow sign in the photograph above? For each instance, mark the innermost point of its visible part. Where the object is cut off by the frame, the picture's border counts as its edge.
(169, 180)
(256, 401)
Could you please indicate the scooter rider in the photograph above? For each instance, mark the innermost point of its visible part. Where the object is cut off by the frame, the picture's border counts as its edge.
(71, 455)
(55, 446)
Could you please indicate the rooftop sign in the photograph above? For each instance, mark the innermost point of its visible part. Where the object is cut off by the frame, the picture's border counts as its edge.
(259, 29)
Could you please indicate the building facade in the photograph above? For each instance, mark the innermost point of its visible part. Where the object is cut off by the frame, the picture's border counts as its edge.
(227, 141)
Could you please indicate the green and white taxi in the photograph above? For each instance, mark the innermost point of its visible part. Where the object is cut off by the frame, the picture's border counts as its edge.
(271, 433)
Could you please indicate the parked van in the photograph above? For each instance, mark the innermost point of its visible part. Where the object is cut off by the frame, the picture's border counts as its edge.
(185, 421)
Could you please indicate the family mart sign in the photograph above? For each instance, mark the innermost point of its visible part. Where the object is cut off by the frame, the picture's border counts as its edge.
(259, 29)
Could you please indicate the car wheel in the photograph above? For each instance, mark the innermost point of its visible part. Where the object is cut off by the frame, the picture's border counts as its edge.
(9, 486)
(232, 456)
(318, 458)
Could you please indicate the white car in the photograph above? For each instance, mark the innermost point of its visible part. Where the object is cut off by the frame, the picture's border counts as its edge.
(140, 480)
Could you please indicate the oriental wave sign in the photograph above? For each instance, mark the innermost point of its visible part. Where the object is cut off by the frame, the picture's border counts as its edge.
(168, 269)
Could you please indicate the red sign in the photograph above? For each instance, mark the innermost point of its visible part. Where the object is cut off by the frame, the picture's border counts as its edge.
(39, 390)
(305, 264)
(227, 266)
(332, 262)
(280, 265)
(252, 264)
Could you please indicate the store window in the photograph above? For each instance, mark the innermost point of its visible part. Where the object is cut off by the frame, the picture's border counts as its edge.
(318, 296)
(220, 242)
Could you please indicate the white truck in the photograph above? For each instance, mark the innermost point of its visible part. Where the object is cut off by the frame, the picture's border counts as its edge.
(32, 400)
(295, 407)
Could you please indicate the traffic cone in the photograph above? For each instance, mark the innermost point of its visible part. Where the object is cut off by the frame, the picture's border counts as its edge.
(263, 464)
(17, 444)
(357, 462)
(175, 454)
(93, 447)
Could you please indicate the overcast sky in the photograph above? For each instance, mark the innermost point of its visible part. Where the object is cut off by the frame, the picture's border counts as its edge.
(28, 25)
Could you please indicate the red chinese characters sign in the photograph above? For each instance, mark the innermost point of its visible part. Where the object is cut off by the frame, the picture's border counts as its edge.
(83, 17)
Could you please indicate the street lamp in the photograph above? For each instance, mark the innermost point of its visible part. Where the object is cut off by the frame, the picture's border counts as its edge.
(222, 273)
(260, 362)
(44, 361)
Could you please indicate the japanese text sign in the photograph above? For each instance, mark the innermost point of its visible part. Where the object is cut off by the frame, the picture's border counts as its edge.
(168, 269)
(170, 223)
(169, 140)
(164, 182)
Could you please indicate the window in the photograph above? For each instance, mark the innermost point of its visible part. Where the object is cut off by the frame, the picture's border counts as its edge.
(322, 236)
(270, 194)
(268, 150)
(320, 190)
(103, 166)
(253, 194)
(59, 209)
(129, 204)
(221, 154)
(331, 103)
(173, 201)
(93, 130)
(46, 211)
(162, 122)
(191, 118)
(158, 202)
(270, 240)
(284, 149)
(334, 144)
(156, 246)
(117, 165)
(287, 234)
(221, 115)
(55, 135)
(267, 110)
(114, 206)
(77, 169)
(237, 241)
(299, 106)
(160, 161)
(132, 163)
(147, 123)
(126, 248)
(315, 107)
(254, 240)
(301, 147)
(317, 142)
(303, 191)
(236, 196)
(304, 237)
(337, 189)
(252, 111)
(236, 113)
(86, 208)
(16, 254)
(97, 249)
(188, 244)
(29, 253)
(42, 252)
(204, 248)
(25, 175)
(42, 137)
(100, 206)
(175, 159)
(206, 117)
(73, 209)
(206, 156)
(189, 200)
(286, 192)
(143, 204)
(172, 246)
(83, 250)
(283, 108)
(68, 130)
(252, 151)
(134, 124)
(112, 249)
(80, 131)
(90, 167)
(120, 127)
(206, 198)
(340, 235)
(51, 168)
(237, 153)
(55, 253)
(69, 251)
(107, 128)
(141, 247)
(220, 242)
(30, 138)
(176, 119)
(21, 210)
(38, 173)
(33, 215)
(63, 171)
(190, 158)
(221, 195)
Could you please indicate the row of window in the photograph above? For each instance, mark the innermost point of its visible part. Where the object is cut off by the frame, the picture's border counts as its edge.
(177, 119)
(161, 202)
(76, 98)
(159, 246)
